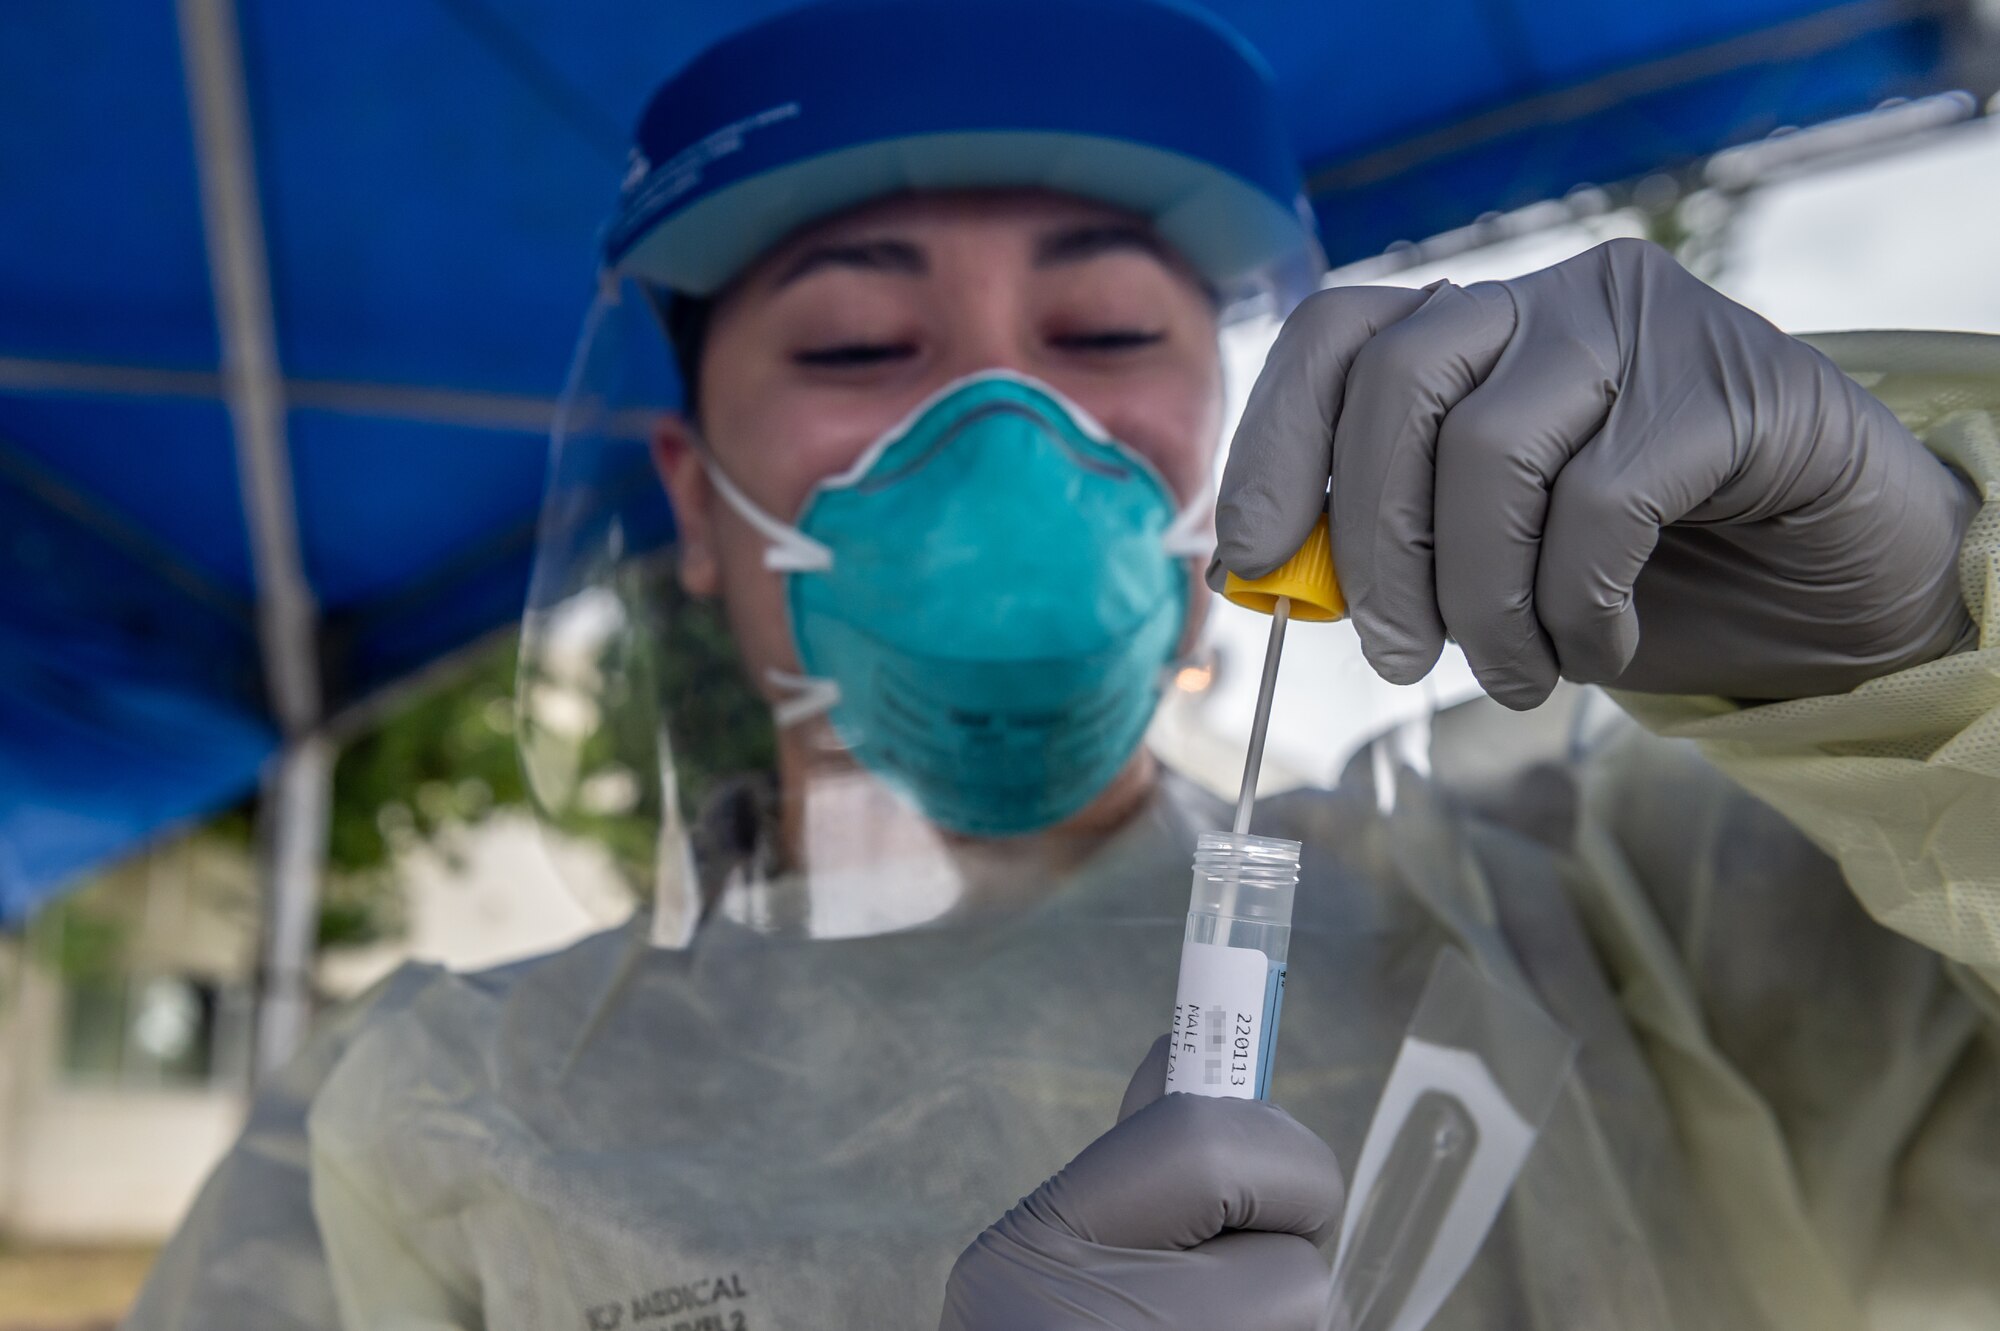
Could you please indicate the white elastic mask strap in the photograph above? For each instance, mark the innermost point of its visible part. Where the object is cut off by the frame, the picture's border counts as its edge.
(810, 696)
(1191, 534)
(790, 550)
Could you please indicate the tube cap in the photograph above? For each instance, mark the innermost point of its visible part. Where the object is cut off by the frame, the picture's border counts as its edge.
(1307, 577)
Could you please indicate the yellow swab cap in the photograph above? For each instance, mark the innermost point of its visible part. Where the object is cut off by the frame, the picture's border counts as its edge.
(1307, 577)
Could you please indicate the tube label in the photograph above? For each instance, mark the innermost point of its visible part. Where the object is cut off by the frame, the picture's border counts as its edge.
(1225, 1021)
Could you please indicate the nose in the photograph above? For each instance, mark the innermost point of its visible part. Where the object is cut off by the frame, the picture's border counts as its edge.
(990, 331)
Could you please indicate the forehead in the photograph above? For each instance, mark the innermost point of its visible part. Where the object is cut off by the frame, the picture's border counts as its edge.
(995, 219)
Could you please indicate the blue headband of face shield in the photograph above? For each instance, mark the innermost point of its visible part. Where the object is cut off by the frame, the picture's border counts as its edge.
(984, 604)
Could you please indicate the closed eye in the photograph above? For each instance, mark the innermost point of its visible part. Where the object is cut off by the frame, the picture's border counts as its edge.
(1110, 339)
(848, 354)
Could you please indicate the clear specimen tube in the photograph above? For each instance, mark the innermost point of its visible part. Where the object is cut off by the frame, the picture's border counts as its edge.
(1232, 981)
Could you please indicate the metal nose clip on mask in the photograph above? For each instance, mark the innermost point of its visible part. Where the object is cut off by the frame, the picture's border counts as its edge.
(983, 604)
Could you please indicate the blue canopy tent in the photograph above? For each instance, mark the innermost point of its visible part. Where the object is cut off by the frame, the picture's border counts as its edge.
(286, 294)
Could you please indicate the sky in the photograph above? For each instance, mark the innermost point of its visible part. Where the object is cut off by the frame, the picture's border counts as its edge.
(1906, 240)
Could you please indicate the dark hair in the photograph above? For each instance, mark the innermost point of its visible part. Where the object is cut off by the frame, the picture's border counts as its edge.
(684, 319)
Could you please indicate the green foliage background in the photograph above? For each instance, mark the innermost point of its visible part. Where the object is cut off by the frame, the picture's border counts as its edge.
(444, 760)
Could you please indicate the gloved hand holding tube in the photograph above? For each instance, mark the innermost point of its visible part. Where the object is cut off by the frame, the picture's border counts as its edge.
(1192, 1212)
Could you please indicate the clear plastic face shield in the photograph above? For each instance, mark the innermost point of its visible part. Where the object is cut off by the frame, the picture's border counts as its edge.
(836, 684)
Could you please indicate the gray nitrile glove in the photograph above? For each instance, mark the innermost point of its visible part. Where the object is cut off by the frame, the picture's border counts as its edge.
(1604, 470)
(1192, 1212)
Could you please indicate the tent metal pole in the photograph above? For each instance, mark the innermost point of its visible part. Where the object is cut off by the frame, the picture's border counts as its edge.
(292, 830)
(295, 811)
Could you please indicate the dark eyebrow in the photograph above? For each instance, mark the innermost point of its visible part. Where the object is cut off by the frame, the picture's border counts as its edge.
(1076, 244)
(879, 256)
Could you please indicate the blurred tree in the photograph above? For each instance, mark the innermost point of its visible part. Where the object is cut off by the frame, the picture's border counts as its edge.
(444, 759)
(87, 946)
(440, 761)
(1697, 226)
(675, 686)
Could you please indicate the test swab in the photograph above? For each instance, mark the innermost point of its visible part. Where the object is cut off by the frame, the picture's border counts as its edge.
(1253, 761)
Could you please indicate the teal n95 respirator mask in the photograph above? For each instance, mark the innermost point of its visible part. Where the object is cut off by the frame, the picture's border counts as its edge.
(984, 603)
